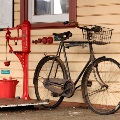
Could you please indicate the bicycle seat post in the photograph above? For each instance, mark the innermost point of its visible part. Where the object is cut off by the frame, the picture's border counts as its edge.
(66, 61)
(89, 35)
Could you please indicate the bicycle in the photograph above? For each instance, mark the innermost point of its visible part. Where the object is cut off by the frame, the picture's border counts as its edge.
(98, 75)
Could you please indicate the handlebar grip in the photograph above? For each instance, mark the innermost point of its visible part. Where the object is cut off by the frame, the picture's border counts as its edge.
(66, 22)
(95, 28)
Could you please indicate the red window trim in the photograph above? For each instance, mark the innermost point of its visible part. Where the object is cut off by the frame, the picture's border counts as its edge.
(24, 15)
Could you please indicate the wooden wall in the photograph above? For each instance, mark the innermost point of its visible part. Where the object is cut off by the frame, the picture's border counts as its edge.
(101, 12)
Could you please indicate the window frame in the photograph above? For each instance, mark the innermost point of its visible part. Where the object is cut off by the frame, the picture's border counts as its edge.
(38, 25)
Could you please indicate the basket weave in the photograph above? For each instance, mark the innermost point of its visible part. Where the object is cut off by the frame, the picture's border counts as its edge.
(104, 35)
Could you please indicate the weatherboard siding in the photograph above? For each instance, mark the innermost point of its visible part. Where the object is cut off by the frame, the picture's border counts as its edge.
(89, 12)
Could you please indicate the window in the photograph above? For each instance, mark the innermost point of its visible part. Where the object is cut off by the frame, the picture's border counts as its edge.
(47, 13)
(48, 10)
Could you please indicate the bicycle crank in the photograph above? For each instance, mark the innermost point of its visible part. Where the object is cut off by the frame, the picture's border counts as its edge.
(69, 89)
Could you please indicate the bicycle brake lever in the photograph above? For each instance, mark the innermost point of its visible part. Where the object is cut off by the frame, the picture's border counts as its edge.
(66, 22)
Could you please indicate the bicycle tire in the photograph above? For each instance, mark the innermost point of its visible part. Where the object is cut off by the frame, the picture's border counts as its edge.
(39, 88)
(102, 99)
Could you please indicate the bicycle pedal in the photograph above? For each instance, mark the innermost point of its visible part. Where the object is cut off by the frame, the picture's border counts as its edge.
(55, 94)
(89, 83)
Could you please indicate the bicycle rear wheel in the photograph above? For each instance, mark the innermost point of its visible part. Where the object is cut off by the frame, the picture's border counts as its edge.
(101, 86)
(41, 73)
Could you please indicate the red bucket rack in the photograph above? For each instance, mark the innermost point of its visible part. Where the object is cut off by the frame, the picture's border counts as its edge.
(7, 99)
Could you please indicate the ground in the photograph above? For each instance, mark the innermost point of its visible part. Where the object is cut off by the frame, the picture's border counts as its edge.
(60, 113)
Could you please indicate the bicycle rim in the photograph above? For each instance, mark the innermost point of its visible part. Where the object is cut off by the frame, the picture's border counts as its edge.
(101, 90)
(41, 72)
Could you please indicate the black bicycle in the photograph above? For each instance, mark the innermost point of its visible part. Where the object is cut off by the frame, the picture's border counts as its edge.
(100, 76)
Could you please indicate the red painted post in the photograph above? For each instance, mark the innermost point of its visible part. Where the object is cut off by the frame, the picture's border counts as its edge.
(25, 78)
(26, 36)
(25, 27)
(24, 53)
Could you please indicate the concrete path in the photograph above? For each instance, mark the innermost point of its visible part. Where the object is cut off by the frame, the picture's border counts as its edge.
(60, 113)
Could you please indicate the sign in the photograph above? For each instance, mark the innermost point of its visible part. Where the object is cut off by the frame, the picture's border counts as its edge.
(5, 71)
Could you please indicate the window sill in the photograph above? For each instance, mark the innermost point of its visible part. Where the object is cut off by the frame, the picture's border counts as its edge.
(50, 25)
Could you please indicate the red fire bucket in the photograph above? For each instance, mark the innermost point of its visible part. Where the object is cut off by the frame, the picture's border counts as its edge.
(8, 88)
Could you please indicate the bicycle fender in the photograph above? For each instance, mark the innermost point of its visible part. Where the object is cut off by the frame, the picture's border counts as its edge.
(103, 57)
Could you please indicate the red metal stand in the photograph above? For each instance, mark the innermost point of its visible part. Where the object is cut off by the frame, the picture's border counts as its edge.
(23, 57)
(23, 54)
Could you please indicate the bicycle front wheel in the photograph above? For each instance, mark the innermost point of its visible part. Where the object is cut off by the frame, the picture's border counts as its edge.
(41, 73)
(101, 86)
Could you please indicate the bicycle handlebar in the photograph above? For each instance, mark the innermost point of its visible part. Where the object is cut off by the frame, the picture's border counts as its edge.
(95, 28)
(100, 35)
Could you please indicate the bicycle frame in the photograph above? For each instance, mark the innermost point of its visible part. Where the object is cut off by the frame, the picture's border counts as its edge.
(90, 61)
(73, 44)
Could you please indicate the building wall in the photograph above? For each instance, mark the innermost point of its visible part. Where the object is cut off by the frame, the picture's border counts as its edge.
(89, 12)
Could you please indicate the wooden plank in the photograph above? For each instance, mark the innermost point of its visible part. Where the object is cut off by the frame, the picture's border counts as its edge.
(17, 15)
(16, 22)
(17, 1)
(97, 2)
(98, 10)
(16, 7)
(93, 20)
(50, 32)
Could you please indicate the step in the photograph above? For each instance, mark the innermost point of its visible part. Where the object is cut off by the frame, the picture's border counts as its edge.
(14, 102)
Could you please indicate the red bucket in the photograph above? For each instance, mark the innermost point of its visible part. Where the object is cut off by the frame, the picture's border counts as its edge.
(8, 88)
